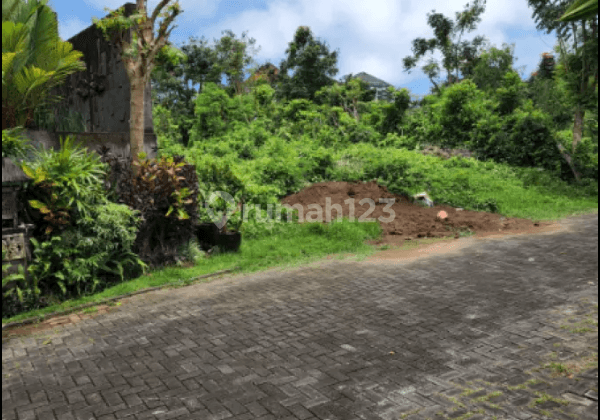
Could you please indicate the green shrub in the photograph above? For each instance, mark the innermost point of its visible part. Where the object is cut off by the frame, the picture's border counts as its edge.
(15, 144)
(511, 94)
(521, 138)
(264, 95)
(191, 251)
(15, 292)
(167, 131)
(315, 162)
(67, 184)
(396, 141)
(92, 254)
(211, 112)
(263, 222)
(457, 113)
(585, 157)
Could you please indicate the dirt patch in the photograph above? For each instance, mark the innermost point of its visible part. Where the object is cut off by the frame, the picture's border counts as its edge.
(54, 323)
(411, 220)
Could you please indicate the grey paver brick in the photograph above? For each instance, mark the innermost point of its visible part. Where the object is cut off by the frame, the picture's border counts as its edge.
(338, 340)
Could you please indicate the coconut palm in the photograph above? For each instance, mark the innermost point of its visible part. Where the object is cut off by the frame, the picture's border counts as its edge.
(581, 9)
(34, 59)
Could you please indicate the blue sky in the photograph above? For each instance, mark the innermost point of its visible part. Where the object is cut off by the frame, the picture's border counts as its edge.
(371, 36)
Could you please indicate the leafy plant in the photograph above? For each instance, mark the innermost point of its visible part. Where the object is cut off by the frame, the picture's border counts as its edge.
(66, 184)
(15, 144)
(96, 250)
(191, 251)
(34, 59)
(165, 191)
(8, 279)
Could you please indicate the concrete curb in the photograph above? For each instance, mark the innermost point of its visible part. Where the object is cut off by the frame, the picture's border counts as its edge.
(88, 305)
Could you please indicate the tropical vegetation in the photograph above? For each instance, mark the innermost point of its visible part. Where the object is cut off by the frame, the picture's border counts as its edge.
(535, 143)
(34, 59)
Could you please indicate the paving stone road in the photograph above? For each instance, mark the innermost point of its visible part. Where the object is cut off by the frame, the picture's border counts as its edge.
(504, 330)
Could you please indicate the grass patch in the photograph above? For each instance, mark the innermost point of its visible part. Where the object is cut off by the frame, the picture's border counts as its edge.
(573, 367)
(582, 327)
(544, 397)
(470, 414)
(489, 396)
(486, 186)
(417, 411)
(454, 401)
(525, 385)
(558, 368)
(294, 245)
(467, 391)
(90, 310)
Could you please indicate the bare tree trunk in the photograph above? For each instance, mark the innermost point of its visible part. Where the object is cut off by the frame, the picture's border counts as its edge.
(136, 122)
(569, 160)
(578, 128)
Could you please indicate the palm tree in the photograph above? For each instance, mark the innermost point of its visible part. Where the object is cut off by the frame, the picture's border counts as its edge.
(581, 9)
(34, 59)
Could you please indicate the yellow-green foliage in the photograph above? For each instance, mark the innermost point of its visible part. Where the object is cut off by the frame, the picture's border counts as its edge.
(276, 148)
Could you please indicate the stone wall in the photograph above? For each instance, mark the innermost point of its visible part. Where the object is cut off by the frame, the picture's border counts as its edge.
(101, 93)
(118, 143)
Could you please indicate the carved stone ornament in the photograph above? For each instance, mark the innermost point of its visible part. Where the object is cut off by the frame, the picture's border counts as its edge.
(14, 246)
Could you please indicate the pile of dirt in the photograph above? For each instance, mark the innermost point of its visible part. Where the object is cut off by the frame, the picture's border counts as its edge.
(412, 220)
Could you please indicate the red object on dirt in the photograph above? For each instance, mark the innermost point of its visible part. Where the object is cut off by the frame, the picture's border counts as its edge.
(442, 215)
(411, 221)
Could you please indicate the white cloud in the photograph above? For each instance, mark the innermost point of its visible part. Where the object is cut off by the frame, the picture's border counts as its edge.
(371, 36)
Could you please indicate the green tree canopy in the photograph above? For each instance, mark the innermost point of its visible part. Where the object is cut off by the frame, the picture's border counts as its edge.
(491, 67)
(173, 83)
(312, 64)
(458, 54)
(578, 46)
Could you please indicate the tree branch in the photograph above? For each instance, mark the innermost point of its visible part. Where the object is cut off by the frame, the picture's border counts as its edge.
(163, 34)
(157, 10)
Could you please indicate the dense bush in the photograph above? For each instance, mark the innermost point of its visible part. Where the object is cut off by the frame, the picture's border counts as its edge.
(67, 184)
(95, 252)
(457, 113)
(586, 154)
(81, 238)
(15, 144)
(165, 191)
(521, 138)
(511, 94)
(276, 148)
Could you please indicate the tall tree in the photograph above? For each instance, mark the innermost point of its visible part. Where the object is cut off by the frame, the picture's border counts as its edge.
(549, 93)
(454, 52)
(312, 64)
(173, 84)
(578, 45)
(34, 59)
(491, 66)
(139, 48)
(234, 56)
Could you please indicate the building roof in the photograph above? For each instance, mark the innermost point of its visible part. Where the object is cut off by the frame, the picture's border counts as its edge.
(263, 71)
(371, 80)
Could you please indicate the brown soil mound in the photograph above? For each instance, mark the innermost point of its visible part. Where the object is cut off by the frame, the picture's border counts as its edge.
(411, 220)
